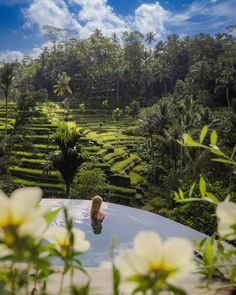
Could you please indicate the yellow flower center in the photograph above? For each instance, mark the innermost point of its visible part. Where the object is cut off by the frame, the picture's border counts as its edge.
(160, 266)
(9, 238)
(11, 221)
(64, 245)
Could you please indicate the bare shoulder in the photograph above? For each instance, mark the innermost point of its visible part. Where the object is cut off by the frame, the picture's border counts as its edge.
(101, 215)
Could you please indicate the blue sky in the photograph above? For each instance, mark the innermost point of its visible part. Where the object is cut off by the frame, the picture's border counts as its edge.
(22, 21)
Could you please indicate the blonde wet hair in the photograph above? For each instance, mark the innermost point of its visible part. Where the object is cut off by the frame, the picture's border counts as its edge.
(96, 205)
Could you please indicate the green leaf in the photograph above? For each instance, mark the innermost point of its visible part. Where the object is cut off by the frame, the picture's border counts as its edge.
(213, 138)
(176, 196)
(202, 186)
(51, 215)
(223, 161)
(176, 290)
(196, 245)
(203, 134)
(234, 151)
(212, 197)
(233, 274)
(181, 194)
(208, 254)
(189, 200)
(192, 189)
(188, 140)
(218, 152)
(116, 280)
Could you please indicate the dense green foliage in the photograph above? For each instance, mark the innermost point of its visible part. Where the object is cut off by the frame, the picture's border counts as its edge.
(101, 68)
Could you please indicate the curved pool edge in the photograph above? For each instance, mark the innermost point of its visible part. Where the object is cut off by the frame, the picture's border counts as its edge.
(121, 221)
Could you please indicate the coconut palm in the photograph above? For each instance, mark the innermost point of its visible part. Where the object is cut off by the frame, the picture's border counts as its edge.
(169, 146)
(150, 39)
(201, 72)
(164, 72)
(163, 116)
(226, 81)
(70, 156)
(62, 86)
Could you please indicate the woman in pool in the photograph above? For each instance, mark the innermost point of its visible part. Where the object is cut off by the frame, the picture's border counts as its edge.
(97, 216)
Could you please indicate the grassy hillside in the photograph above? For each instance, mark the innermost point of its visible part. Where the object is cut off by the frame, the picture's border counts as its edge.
(104, 137)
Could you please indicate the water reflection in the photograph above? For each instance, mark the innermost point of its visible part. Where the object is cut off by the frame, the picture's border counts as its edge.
(121, 221)
(96, 226)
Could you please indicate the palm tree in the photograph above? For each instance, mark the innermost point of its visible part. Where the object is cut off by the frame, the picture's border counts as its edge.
(62, 87)
(150, 39)
(163, 116)
(164, 72)
(226, 81)
(148, 124)
(115, 39)
(169, 146)
(6, 79)
(201, 71)
(70, 156)
(207, 118)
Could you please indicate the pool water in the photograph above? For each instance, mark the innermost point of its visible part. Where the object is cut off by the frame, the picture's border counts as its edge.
(120, 221)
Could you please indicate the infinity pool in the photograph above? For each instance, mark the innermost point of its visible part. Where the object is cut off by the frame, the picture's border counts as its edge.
(121, 221)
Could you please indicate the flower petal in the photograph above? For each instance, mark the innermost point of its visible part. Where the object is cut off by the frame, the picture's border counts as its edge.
(148, 244)
(225, 229)
(55, 234)
(177, 252)
(34, 227)
(4, 209)
(130, 263)
(226, 211)
(178, 255)
(22, 201)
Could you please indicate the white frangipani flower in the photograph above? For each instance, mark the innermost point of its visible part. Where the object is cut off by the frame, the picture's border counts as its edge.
(60, 238)
(226, 213)
(18, 215)
(150, 256)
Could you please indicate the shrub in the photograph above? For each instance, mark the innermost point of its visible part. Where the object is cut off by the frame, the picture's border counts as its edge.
(198, 216)
(116, 114)
(90, 183)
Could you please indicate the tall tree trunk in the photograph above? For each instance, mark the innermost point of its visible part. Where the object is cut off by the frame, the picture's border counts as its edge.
(165, 91)
(117, 91)
(6, 127)
(203, 95)
(67, 191)
(227, 97)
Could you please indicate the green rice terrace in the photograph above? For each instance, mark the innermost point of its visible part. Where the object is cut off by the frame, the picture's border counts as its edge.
(103, 137)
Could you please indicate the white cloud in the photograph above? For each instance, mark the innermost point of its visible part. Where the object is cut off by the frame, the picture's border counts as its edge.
(35, 52)
(88, 15)
(48, 12)
(11, 56)
(188, 13)
(151, 17)
(203, 16)
(98, 14)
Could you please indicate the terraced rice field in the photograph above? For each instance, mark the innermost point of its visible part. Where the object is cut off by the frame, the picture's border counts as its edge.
(104, 137)
(118, 150)
(30, 155)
